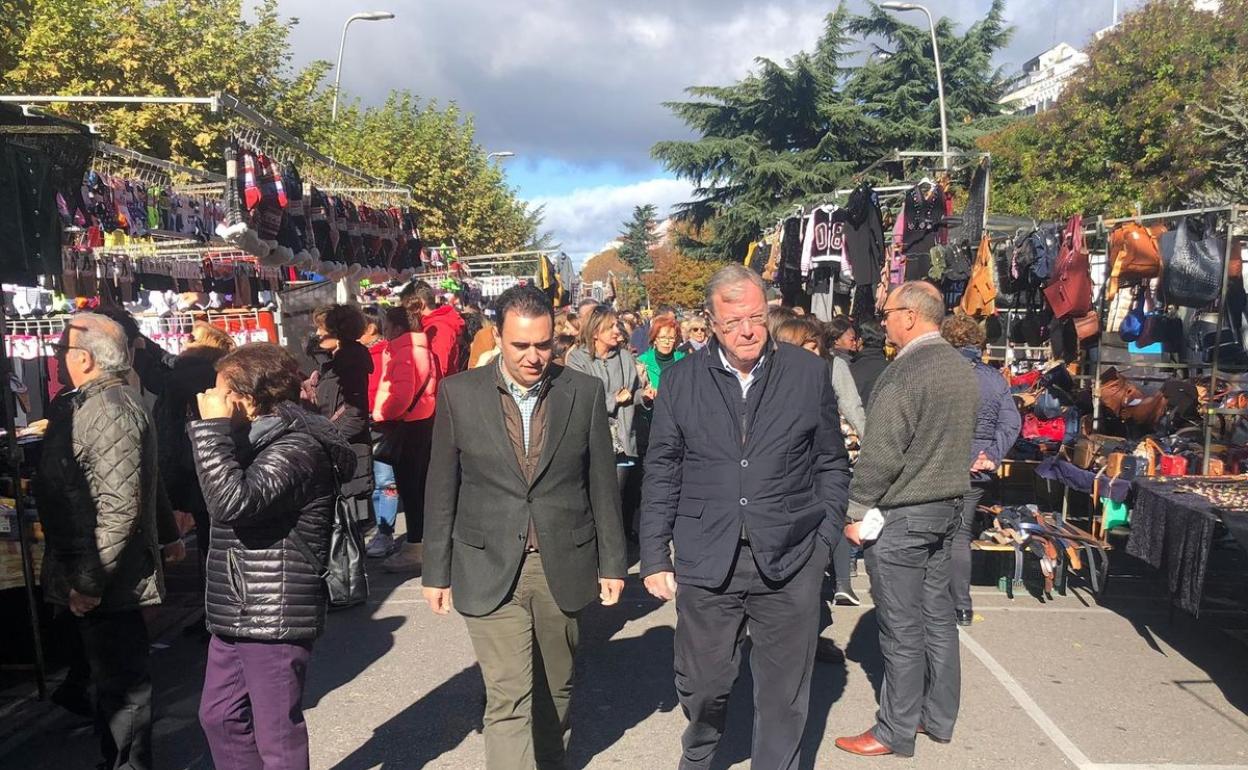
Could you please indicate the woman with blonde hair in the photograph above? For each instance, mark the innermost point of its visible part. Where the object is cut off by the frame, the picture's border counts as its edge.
(601, 352)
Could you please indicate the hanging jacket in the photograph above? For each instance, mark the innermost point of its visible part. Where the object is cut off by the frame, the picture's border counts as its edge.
(260, 485)
(406, 370)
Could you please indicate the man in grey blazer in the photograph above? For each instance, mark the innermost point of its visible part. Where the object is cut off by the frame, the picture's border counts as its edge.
(522, 524)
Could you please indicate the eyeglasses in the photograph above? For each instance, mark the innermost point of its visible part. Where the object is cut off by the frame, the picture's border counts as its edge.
(883, 314)
(733, 324)
(63, 347)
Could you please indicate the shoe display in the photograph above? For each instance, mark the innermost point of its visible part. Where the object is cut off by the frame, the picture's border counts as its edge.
(826, 651)
(381, 545)
(845, 596)
(965, 617)
(864, 745)
(408, 558)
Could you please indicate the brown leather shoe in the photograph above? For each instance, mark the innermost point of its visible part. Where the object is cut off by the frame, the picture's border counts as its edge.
(864, 745)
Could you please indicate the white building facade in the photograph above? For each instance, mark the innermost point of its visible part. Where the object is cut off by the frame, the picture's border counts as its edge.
(1043, 79)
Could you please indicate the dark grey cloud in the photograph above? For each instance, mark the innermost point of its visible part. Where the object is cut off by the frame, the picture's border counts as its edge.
(583, 80)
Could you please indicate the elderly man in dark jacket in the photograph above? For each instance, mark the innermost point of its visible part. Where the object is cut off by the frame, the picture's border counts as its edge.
(747, 477)
(104, 517)
(997, 425)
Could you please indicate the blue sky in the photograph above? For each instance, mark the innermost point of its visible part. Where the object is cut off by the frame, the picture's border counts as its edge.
(575, 87)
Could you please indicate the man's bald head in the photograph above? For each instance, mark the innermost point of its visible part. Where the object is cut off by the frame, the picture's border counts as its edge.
(913, 309)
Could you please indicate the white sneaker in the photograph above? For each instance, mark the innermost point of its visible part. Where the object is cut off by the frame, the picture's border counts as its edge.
(381, 545)
(408, 558)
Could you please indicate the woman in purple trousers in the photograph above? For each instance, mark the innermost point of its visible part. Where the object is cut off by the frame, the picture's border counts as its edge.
(270, 471)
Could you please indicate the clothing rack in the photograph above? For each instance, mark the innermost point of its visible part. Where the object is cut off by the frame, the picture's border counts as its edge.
(123, 153)
(220, 102)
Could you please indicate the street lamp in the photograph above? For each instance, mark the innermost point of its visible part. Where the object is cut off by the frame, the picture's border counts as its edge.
(940, 83)
(499, 155)
(370, 16)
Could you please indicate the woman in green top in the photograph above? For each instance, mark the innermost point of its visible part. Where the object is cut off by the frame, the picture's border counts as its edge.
(664, 337)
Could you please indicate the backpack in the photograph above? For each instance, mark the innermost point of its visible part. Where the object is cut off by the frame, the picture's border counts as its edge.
(957, 262)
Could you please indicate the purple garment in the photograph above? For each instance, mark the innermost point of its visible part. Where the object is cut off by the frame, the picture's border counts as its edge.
(251, 708)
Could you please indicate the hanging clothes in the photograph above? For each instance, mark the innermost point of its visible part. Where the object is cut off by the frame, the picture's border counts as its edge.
(864, 235)
(824, 238)
(924, 212)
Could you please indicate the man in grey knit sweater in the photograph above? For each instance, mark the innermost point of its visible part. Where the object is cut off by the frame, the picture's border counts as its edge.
(920, 423)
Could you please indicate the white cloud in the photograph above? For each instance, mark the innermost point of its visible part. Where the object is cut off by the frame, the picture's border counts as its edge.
(585, 219)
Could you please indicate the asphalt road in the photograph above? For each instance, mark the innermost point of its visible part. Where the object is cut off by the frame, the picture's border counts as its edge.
(1068, 682)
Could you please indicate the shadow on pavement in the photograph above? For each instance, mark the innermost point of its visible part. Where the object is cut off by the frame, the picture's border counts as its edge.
(620, 682)
(864, 649)
(425, 730)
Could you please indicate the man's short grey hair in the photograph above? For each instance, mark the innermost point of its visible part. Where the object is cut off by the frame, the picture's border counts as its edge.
(726, 280)
(923, 298)
(104, 339)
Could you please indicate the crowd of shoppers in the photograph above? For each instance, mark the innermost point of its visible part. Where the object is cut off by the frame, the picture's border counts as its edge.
(722, 443)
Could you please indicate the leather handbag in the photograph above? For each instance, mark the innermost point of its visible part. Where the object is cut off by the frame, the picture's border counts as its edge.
(1134, 254)
(1046, 430)
(346, 583)
(1192, 276)
(1088, 326)
(1173, 465)
(979, 298)
(1069, 292)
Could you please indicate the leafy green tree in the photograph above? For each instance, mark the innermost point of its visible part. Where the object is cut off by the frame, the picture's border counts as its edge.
(1127, 126)
(199, 47)
(793, 133)
(638, 237)
(1225, 125)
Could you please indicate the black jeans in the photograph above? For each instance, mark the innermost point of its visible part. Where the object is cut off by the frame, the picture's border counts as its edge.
(410, 473)
(116, 645)
(783, 624)
(960, 584)
(909, 566)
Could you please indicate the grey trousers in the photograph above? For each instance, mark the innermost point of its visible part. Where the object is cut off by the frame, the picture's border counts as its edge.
(783, 623)
(960, 557)
(909, 567)
(525, 649)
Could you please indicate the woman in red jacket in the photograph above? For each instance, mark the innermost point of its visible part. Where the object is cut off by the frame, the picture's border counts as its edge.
(404, 407)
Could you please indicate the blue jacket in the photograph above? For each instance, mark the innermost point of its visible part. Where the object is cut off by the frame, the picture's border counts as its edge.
(998, 423)
(771, 467)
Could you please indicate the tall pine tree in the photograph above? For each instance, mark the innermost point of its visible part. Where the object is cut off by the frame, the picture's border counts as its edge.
(792, 133)
(639, 234)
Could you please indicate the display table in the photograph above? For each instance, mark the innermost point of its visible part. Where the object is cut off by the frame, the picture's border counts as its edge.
(1172, 528)
(11, 563)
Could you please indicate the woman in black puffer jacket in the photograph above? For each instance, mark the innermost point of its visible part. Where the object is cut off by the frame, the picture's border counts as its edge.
(268, 468)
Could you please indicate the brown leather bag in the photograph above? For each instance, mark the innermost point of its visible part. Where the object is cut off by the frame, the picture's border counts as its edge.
(1134, 254)
(979, 299)
(1088, 326)
(1069, 291)
(1127, 402)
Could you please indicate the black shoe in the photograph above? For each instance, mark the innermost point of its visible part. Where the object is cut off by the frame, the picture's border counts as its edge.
(845, 596)
(826, 651)
(964, 617)
(74, 700)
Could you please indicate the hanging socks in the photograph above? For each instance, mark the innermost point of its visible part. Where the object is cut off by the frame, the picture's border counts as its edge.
(251, 193)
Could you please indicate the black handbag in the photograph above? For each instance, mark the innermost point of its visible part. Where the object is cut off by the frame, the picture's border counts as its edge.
(346, 582)
(388, 445)
(1192, 255)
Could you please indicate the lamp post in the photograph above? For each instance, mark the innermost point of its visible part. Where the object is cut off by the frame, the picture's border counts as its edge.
(369, 16)
(500, 155)
(940, 83)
